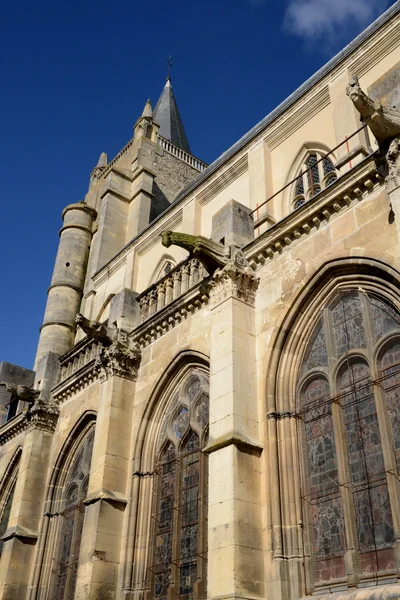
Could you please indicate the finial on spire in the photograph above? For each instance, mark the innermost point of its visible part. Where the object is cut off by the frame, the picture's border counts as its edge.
(147, 111)
(169, 65)
(103, 160)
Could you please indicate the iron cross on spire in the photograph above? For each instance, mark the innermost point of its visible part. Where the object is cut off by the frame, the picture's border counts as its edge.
(169, 65)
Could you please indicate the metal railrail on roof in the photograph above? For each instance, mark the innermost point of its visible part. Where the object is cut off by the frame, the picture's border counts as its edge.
(194, 162)
(266, 217)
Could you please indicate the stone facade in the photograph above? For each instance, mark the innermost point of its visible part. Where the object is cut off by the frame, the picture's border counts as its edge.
(215, 408)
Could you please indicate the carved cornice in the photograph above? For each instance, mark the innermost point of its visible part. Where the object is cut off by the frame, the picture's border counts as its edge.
(13, 428)
(76, 382)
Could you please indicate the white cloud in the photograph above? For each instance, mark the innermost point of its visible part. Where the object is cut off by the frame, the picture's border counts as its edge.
(311, 19)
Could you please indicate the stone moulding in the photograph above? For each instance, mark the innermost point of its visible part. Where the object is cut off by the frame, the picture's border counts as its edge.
(77, 381)
(352, 188)
(13, 428)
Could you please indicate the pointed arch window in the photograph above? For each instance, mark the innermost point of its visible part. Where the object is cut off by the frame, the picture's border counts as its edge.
(349, 435)
(71, 522)
(317, 173)
(179, 554)
(5, 507)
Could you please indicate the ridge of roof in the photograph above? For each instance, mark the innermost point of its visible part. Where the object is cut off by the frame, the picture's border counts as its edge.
(290, 100)
(166, 114)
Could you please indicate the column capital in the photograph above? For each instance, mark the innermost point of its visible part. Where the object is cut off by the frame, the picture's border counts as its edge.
(121, 358)
(237, 280)
(43, 416)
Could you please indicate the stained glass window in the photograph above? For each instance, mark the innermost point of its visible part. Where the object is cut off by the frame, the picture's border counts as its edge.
(181, 496)
(75, 492)
(318, 172)
(343, 426)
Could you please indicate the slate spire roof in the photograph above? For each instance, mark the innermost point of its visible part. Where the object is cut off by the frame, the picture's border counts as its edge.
(166, 114)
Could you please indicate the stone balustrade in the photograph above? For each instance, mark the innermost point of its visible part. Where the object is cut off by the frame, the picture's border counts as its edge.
(78, 357)
(173, 285)
(194, 162)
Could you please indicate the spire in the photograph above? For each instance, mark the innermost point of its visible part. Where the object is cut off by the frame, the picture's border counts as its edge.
(166, 114)
(147, 111)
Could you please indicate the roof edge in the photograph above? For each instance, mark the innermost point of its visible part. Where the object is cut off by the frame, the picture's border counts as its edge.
(290, 100)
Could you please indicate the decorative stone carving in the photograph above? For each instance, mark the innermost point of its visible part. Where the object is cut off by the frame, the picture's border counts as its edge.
(43, 415)
(119, 355)
(22, 392)
(384, 122)
(95, 330)
(234, 280)
(393, 164)
(211, 254)
(231, 273)
(122, 358)
(385, 125)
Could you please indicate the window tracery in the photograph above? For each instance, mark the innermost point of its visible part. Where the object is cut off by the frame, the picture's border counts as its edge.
(317, 173)
(72, 516)
(349, 406)
(180, 496)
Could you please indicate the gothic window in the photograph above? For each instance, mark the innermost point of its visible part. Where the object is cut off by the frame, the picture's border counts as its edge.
(72, 516)
(317, 173)
(349, 417)
(180, 496)
(5, 514)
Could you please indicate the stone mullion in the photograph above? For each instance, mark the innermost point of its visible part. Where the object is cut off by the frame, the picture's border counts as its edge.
(352, 557)
(385, 430)
(308, 533)
(173, 591)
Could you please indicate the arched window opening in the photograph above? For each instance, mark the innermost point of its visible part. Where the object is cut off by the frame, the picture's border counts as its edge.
(349, 418)
(316, 175)
(5, 511)
(180, 497)
(72, 517)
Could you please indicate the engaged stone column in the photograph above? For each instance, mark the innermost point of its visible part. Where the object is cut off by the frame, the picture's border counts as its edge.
(27, 508)
(107, 494)
(235, 558)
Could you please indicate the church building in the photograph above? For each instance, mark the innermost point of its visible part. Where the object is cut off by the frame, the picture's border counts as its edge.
(214, 408)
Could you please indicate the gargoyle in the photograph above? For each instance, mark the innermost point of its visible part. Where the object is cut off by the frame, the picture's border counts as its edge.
(95, 330)
(384, 122)
(213, 255)
(22, 392)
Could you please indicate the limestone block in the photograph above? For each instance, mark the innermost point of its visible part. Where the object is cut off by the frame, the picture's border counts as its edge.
(124, 310)
(233, 224)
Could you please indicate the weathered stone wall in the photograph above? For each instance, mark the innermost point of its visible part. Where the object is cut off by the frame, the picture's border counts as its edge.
(171, 175)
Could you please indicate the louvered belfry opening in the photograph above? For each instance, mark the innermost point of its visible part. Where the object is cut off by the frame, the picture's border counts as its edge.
(349, 440)
(178, 557)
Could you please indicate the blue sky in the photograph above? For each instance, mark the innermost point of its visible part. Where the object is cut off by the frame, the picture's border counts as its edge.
(76, 76)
